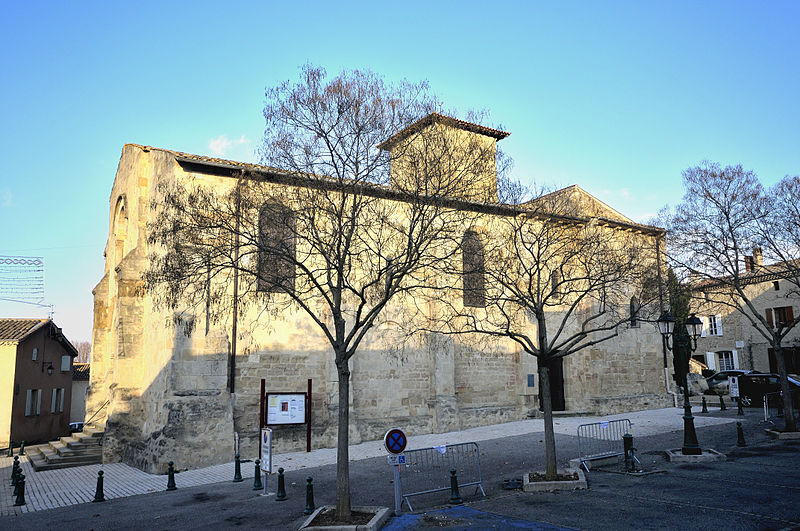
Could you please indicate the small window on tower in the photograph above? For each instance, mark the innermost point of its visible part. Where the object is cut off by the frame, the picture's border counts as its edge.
(776, 285)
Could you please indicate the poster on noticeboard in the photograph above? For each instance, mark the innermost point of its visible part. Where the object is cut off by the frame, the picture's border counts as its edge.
(286, 408)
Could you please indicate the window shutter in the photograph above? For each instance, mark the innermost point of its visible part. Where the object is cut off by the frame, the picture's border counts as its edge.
(38, 401)
(711, 360)
(28, 402)
(61, 400)
(770, 323)
(53, 400)
(789, 315)
(705, 327)
(65, 363)
(735, 360)
(719, 324)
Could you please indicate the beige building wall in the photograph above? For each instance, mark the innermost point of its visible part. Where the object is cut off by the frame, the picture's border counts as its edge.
(737, 334)
(8, 363)
(161, 384)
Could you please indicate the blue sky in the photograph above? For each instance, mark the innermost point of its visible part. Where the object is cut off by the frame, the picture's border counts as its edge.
(617, 97)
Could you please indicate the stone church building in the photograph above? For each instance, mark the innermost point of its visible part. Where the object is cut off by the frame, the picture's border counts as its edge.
(162, 390)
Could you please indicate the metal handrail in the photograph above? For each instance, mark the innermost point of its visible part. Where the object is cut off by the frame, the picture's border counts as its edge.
(96, 412)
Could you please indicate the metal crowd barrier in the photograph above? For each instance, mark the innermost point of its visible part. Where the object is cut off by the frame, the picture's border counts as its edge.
(773, 405)
(427, 470)
(599, 440)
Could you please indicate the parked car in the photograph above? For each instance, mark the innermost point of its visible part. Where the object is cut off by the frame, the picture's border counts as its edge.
(75, 426)
(753, 387)
(718, 383)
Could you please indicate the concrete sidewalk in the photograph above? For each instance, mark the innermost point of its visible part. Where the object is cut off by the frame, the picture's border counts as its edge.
(69, 486)
(756, 488)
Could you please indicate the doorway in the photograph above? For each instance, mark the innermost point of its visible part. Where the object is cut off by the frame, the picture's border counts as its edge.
(556, 386)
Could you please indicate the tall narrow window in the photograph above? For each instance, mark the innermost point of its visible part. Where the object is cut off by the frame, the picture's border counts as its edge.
(33, 402)
(555, 284)
(276, 248)
(634, 310)
(712, 325)
(474, 270)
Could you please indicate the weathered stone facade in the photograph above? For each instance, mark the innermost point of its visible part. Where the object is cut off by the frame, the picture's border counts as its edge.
(161, 386)
(731, 335)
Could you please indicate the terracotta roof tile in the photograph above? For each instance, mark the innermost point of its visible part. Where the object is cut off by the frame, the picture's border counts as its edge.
(441, 118)
(80, 371)
(17, 329)
(211, 160)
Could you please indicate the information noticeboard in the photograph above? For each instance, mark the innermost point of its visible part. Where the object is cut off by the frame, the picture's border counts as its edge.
(286, 408)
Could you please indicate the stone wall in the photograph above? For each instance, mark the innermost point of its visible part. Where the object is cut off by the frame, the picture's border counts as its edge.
(165, 375)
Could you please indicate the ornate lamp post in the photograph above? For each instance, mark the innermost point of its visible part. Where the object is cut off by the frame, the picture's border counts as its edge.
(694, 326)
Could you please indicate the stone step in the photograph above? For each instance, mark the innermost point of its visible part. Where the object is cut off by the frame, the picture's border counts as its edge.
(80, 443)
(40, 464)
(67, 452)
(91, 431)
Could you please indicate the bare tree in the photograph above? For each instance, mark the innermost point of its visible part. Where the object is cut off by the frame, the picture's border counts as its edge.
(84, 349)
(334, 231)
(551, 278)
(725, 214)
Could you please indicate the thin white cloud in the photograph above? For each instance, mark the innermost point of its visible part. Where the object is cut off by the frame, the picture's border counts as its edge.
(222, 145)
(5, 198)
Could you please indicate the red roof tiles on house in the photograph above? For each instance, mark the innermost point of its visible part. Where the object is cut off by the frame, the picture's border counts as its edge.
(18, 329)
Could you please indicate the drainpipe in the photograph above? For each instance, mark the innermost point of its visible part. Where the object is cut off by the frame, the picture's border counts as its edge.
(667, 386)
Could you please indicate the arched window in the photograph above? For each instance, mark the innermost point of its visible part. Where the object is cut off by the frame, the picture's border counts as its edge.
(473, 270)
(634, 310)
(276, 248)
(120, 231)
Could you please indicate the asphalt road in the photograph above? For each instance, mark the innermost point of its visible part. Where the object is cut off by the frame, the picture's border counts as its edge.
(758, 487)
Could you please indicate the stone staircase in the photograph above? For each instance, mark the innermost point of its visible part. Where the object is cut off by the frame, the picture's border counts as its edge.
(80, 448)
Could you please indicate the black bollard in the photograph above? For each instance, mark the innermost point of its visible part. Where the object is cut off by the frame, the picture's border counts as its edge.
(22, 448)
(237, 469)
(705, 406)
(257, 485)
(20, 491)
(171, 476)
(740, 435)
(16, 483)
(98, 492)
(15, 471)
(739, 410)
(627, 446)
(309, 497)
(722, 404)
(281, 494)
(455, 497)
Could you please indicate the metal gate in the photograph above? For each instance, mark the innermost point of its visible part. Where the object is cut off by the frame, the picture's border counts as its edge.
(601, 439)
(427, 470)
(773, 405)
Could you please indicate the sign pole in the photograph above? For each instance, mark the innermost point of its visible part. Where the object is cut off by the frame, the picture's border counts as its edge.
(261, 403)
(398, 499)
(308, 417)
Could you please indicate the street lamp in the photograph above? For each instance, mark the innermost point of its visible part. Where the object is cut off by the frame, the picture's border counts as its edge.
(49, 368)
(694, 326)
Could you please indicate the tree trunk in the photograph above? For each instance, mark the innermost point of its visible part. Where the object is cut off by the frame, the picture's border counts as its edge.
(788, 410)
(342, 445)
(549, 434)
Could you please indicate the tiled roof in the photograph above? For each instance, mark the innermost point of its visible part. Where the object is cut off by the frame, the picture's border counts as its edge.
(210, 160)
(761, 273)
(80, 371)
(17, 329)
(442, 119)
